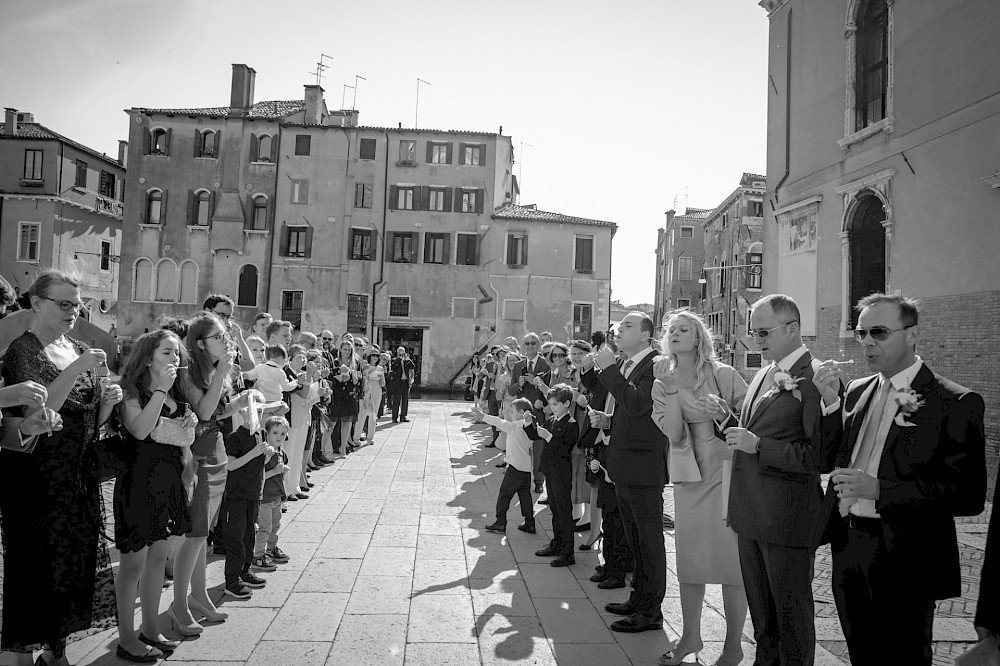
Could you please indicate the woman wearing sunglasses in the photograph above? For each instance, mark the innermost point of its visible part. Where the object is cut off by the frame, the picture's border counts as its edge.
(50, 501)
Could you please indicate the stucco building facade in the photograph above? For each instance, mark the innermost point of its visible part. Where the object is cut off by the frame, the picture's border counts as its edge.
(680, 256)
(60, 207)
(883, 155)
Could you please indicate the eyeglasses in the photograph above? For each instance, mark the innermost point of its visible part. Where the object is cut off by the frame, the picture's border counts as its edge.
(878, 333)
(221, 337)
(222, 315)
(66, 306)
(557, 355)
(531, 344)
(764, 332)
(327, 339)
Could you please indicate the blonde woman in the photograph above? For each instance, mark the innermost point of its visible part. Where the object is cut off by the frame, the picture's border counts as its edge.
(505, 371)
(693, 394)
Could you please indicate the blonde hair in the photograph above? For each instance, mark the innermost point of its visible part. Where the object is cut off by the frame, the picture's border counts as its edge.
(705, 351)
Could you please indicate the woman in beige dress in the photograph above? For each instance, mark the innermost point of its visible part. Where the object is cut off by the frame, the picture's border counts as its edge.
(692, 395)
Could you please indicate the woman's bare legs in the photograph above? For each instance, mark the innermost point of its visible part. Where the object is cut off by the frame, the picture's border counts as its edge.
(151, 587)
(692, 600)
(734, 601)
(189, 575)
(126, 586)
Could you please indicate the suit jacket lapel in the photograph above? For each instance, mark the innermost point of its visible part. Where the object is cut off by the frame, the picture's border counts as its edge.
(923, 384)
(795, 371)
(754, 389)
(864, 402)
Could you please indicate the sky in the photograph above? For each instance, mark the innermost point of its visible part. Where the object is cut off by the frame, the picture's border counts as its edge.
(617, 111)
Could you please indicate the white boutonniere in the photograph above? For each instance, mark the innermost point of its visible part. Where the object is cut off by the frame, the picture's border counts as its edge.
(785, 382)
(909, 402)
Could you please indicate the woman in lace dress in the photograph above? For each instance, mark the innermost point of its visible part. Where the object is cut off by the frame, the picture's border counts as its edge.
(50, 497)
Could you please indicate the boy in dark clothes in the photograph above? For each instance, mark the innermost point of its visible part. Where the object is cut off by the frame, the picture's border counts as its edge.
(560, 433)
(246, 448)
(615, 548)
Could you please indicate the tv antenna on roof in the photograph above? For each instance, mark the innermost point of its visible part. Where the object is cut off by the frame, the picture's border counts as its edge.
(320, 68)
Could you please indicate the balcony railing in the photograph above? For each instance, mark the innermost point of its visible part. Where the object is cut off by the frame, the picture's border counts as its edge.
(98, 202)
(109, 205)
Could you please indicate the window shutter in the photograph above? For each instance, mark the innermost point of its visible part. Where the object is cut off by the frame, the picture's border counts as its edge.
(511, 259)
(147, 141)
(425, 197)
(248, 213)
(192, 208)
(163, 207)
(274, 149)
(211, 207)
(309, 242)
(418, 203)
(524, 250)
(448, 152)
(197, 143)
(482, 154)
(390, 242)
(414, 247)
(458, 200)
(475, 250)
(357, 190)
(446, 250)
(270, 213)
(393, 197)
(254, 147)
(480, 196)
(430, 152)
(167, 147)
(461, 153)
(283, 245)
(447, 200)
(218, 142)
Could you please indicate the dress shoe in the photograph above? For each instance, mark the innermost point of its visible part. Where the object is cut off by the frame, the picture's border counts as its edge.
(585, 527)
(527, 527)
(491, 445)
(548, 551)
(162, 646)
(590, 544)
(611, 583)
(538, 488)
(151, 656)
(403, 419)
(501, 465)
(599, 577)
(302, 496)
(636, 623)
(563, 561)
(325, 460)
(292, 498)
(207, 614)
(544, 501)
(497, 527)
(311, 484)
(626, 608)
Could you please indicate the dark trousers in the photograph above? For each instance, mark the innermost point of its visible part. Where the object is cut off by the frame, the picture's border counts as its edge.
(494, 407)
(559, 486)
(537, 472)
(884, 622)
(641, 509)
(614, 546)
(515, 482)
(381, 405)
(399, 401)
(239, 530)
(778, 581)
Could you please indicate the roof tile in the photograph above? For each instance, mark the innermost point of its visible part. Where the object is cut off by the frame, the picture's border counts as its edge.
(272, 110)
(530, 214)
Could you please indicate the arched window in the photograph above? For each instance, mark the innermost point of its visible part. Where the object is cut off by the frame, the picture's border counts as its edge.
(158, 144)
(201, 207)
(258, 214)
(264, 148)
(872, 63)
(166, 281)
(866, 236)
(247, 294)
(206, 146)
(154, 207)
(142, 282)
(189, 282)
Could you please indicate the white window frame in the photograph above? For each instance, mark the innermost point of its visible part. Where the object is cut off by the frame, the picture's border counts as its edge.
(593, 252)
(439, 153)
(683, 303)
(471, 150)
(475, 305)
(156, 281)
(404, 202)
(111, 251)
(852, 136)
(470, 201)
(412, 157)
(435, 199)
(260, 196)
(508, 303)
(38, 242)
(296, 190)
(523, 235)
(388, 306)
(572, 313)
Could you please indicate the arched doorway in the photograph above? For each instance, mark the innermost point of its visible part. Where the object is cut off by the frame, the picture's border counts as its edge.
(866, 235)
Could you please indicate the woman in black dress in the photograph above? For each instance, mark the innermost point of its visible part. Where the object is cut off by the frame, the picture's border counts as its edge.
(345, 382)
(50, 498)
(150, 496)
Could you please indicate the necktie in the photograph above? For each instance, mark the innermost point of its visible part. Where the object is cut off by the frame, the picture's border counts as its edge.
(625, 368)
(870, 437)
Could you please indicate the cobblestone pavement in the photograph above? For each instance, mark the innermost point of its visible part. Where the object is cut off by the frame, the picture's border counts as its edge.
(390, 565)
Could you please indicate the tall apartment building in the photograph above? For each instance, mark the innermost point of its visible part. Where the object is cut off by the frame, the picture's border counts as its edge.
(60, 207)
(733, 271)
(883, 174)
(411, 237)
(680, 253)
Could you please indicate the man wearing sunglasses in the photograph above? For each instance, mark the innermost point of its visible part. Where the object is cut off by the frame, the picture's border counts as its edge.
(775, 493)
(522, 385)
(907, 457)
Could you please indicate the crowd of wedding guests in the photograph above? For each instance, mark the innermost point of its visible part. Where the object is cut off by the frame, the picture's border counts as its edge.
(207, 432)
(762, 473)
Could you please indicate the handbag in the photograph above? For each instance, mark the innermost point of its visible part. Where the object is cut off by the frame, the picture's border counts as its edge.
(173, 432)
(112, 458)
(11, 441)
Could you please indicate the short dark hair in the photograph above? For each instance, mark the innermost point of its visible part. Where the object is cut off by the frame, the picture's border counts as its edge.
(560, 393)
(909, 308)
(782, 306)
(275, 351)
(262, 315)
(597, 338)
(582, 345)
(645, 323)
(212, 300)
(275, 420)
(521, 404)
(275, 326)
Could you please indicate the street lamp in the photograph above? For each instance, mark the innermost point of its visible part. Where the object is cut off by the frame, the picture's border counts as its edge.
(749, 269)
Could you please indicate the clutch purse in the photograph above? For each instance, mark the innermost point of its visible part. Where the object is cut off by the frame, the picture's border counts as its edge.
(172, 432)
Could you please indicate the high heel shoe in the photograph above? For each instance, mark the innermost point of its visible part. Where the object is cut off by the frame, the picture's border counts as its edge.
(590, 544)
(210, 616)
(676, 657)
(193, 629)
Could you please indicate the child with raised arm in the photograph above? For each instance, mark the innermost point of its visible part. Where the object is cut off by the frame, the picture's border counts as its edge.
(517, 477)
(270, 376)
(266, 552)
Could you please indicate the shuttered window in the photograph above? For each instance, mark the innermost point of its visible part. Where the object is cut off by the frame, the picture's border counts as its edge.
(467, 250)
(366, 150)
(361, 245)
(436, 248)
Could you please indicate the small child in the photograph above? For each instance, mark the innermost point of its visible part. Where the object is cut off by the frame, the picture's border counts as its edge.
(270, 376)
(517, 477)
(246, 450)
(266, 552)
(561, 434)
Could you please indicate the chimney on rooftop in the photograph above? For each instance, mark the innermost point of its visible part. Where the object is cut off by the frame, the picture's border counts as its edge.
(243, 80)
(10, 122)
(122, 152)
(315, 106)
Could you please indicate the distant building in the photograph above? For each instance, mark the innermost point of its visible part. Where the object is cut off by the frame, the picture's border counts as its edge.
(410, 237)
(60, 207)
(680, 252)
(732, 271)
(883, 175)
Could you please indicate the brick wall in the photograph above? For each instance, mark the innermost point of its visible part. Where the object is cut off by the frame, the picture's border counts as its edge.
(960, 339)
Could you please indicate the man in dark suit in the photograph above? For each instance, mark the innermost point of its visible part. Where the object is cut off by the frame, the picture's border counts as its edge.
(522, 385)
(636, 463)
(401, 370)
(775, 493)
(907, 457)
(988, 608)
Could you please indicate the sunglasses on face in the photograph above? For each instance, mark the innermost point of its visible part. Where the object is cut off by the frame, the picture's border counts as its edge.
(878, 333)
(530, 344)
(764, 332)
(560, 355)
(327, 339)
(223, 315)
(65, 306)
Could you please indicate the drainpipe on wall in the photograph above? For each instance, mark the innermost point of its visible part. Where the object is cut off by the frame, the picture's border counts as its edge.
(788, 108)
(385, 215)
(269, 257)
